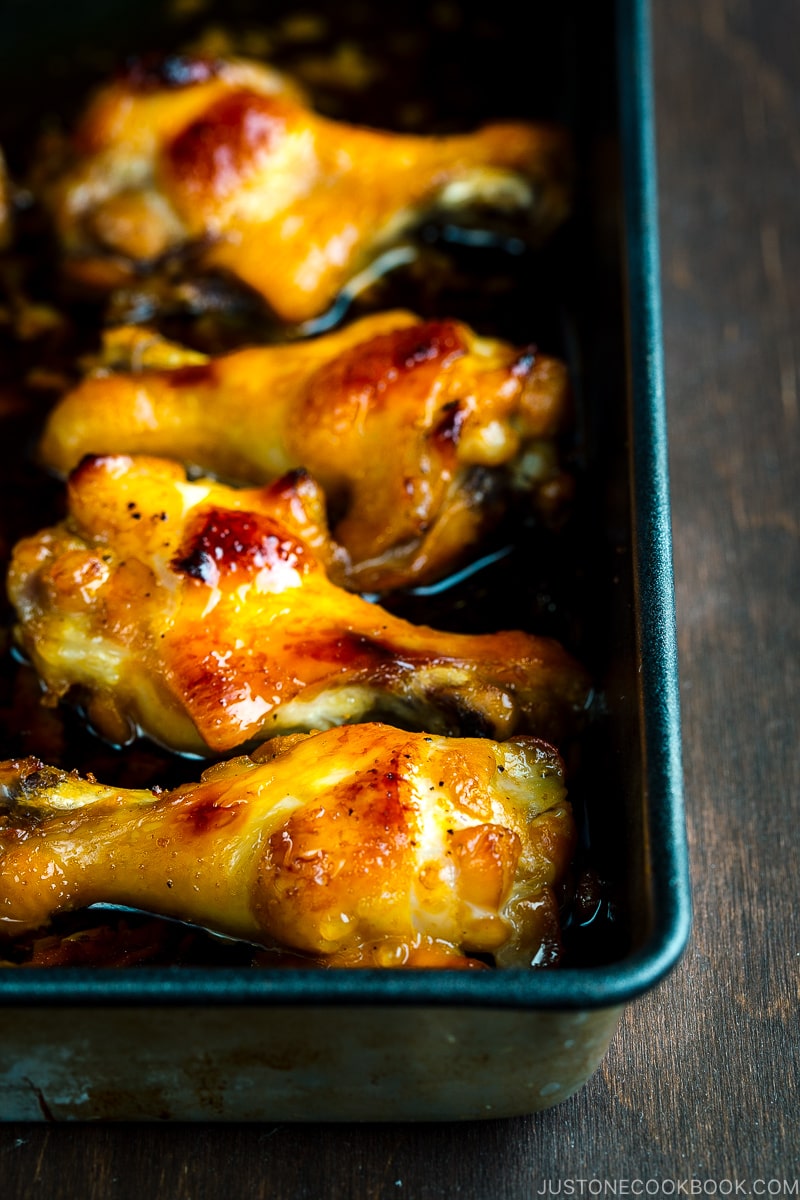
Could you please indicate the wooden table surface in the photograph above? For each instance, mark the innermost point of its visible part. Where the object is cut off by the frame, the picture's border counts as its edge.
(701, 1080)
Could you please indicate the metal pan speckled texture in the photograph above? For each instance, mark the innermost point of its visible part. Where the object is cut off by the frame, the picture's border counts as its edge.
(225, 1042)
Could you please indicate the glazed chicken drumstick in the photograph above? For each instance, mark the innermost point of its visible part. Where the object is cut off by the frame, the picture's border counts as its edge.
(415, 429)
(359, 846)
(227, 158)
(203, 616)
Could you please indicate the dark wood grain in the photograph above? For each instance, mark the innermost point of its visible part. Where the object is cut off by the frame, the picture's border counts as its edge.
(701, 1080)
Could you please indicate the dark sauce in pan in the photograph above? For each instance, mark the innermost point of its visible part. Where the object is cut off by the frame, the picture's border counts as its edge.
(439, 68)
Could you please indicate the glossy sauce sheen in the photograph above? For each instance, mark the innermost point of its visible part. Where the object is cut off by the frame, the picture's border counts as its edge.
(535, 575)
(229, 543)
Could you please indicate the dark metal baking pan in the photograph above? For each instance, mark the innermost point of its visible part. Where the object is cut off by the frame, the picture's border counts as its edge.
(195, 1042)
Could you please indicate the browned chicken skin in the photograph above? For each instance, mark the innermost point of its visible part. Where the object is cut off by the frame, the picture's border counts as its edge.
(359, 846)
(227, 158)
(203, 616)
(416, 430)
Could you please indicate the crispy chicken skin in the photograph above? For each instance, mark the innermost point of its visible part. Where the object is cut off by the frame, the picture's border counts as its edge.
(359, 846)
(413, 428)
(203, 616)
(228, 158)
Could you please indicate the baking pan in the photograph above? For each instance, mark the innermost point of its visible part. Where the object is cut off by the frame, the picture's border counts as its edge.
(228, 1042)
